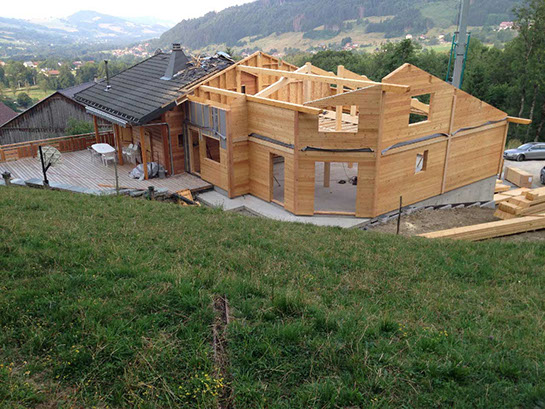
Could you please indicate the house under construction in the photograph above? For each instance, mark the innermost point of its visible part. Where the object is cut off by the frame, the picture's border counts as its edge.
(316, 142)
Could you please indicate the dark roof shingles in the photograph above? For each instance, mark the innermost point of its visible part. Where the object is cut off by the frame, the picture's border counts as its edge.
(139, 91)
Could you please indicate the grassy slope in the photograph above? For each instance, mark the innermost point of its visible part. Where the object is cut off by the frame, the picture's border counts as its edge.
(107, 302)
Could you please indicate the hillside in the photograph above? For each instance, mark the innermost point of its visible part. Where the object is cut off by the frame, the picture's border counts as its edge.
(84, 28)
(242, 26)
(107, 302)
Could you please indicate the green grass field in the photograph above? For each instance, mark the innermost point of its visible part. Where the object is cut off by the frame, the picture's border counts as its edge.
(34, 92)
(107, 303)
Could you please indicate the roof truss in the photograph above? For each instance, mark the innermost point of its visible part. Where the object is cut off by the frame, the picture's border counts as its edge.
(323, 78)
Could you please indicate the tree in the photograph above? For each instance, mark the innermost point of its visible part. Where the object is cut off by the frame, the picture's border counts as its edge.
(66, 78)
(346, 40)
(78, 127)
(24, 100)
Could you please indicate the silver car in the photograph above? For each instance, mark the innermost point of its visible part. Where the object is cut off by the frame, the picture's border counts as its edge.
(532, 150)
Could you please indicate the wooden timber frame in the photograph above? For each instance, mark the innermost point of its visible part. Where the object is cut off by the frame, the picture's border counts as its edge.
(308, 115)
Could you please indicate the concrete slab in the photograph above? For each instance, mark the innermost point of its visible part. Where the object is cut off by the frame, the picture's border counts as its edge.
(273, 211)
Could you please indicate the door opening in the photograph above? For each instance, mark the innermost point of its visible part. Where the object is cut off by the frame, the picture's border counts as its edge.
(277, 176)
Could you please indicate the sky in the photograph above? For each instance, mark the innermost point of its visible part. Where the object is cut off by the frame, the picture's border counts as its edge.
(170, 10)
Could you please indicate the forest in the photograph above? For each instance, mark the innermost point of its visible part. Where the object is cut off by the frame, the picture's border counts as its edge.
(510, 79)
(263, 18)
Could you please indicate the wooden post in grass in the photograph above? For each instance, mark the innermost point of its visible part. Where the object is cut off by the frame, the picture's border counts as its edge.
(399, 215)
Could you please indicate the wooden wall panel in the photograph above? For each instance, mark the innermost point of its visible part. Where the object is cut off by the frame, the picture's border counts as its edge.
(397, 177)
(474, 157)
(238, 143)
(240, 169)
(272, 122)
(366, 188)
(304, 181)
(397, 107)
(260, 165)
(471, 111)
(250, 82)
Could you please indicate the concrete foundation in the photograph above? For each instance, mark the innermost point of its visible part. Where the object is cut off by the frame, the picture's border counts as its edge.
(481, 191)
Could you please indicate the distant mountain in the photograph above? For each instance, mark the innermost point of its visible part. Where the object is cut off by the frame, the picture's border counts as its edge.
(19, 36)
(95, 26)
(323, 19)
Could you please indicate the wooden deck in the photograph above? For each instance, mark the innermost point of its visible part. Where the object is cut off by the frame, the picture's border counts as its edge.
(80, 169)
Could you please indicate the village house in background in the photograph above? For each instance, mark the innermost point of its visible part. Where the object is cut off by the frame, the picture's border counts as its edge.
(46, 119)
(6, 113)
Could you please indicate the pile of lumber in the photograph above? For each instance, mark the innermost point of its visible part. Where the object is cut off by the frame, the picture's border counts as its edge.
(501, 187)
(505, 196)
(527, 203)
(490, 230)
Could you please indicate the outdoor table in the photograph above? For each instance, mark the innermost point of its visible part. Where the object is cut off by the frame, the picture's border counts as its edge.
(103, 148)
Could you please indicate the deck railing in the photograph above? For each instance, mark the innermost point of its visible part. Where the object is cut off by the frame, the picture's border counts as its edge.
(70, 143)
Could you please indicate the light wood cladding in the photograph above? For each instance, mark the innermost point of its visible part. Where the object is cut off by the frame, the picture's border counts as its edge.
(376, 133)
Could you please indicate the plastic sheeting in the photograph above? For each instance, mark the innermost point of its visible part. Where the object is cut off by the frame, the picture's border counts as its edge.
(153, 171)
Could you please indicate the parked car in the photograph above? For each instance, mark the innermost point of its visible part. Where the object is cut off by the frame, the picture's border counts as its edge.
(532, 150)
(542, 175)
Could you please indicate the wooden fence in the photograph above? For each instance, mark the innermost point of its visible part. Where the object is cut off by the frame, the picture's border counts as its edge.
(71, 143)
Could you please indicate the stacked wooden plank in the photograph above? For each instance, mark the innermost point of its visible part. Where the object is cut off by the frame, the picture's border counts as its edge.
(490, 230)
(518, 177)
(501, 187)
(528, 203)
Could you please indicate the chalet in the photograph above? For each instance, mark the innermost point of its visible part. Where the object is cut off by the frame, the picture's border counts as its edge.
(141, 104)
(46, 119)
(311, 141)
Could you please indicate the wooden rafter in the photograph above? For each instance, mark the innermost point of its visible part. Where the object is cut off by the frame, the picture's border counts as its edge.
(255, 98)
(419, 108)
(322, 78)
(282, 82)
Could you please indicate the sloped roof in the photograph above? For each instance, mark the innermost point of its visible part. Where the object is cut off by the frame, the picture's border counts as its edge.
(138, 94)
(70, 92)
(6, 113)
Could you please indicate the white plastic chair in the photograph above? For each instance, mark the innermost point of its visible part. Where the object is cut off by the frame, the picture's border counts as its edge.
(132, 155)
(127, 151)
(108, 157)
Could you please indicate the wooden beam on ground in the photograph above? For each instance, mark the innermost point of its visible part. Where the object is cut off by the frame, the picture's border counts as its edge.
(323, 78)
(520, 121)
(490, 230)
(327, 174)
(144, 152)
(97, 133)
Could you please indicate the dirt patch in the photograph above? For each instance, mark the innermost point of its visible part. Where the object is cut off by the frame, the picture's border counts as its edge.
(427, 221)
